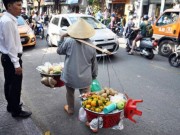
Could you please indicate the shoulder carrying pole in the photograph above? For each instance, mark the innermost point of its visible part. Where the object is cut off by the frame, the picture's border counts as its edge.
(93, 46)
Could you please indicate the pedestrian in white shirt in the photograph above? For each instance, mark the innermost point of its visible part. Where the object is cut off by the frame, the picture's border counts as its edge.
(11, 49)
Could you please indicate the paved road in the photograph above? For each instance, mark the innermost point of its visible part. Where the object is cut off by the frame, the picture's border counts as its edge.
(154, 81)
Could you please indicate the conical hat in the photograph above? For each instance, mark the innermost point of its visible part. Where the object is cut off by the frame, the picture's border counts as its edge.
(81, 30)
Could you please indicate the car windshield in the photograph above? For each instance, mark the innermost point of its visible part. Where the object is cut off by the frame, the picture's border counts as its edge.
(20, 21)
(92, 21)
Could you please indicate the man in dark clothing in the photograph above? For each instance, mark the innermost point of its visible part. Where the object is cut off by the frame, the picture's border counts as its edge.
(11, 48)
(141, 34)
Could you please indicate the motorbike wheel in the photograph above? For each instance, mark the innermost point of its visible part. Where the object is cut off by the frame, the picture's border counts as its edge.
(151, 55)
(166, 47)
(173, 60)
(41, 34)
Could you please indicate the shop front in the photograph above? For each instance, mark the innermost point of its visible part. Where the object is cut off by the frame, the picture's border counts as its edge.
(118, 6)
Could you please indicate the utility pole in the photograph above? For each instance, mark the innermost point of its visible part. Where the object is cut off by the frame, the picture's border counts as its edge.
(162, 6)
(140, 12)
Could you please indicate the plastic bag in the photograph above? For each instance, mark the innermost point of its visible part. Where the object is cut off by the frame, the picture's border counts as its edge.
(120, 126)
(95, 86)
(96, 123)
(82, 115)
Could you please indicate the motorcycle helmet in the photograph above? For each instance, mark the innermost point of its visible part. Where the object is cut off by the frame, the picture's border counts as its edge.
(145, 17)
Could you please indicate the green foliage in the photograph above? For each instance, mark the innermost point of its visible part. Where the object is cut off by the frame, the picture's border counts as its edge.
(90, 2)
(96, 6)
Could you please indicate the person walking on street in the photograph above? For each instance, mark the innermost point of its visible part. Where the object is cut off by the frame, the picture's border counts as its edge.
(11, 49)
(80, 65)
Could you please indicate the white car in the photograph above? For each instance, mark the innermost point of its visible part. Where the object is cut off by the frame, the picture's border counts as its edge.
(104, 37)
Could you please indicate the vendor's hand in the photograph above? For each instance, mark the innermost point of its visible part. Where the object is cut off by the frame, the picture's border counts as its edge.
(18, 71)
(65, 35)
(106, 51)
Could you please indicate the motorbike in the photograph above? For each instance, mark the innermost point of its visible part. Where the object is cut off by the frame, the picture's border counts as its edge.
(174, 58)
(39, 30)
(145, 47)
(118, 29)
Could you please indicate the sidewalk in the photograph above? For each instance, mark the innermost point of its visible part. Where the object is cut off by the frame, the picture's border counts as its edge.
(10, 125)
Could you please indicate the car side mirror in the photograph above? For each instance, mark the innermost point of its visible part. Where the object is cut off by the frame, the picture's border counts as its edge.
(64, 28)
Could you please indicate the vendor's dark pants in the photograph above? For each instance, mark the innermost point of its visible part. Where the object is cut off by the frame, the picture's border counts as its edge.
(70, 96)
(12, 85)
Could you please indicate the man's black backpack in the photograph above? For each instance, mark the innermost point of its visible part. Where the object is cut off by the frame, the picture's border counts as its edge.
(149, 30)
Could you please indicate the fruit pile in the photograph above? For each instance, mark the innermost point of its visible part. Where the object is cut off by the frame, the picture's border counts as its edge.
(97, 101)
(51, 69)
(55, 69)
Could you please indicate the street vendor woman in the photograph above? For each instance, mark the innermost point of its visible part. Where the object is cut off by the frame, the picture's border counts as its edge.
(80, 65)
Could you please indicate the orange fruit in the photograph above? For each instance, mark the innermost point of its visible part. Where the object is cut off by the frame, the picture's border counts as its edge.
(97, 110)
(92, 108)
(101, 107)
(100, 102)
(89, 101)
(88, 106)
(108, 103)
(93, 103)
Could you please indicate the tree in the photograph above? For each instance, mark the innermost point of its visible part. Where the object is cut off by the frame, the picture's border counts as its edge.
(96, 6)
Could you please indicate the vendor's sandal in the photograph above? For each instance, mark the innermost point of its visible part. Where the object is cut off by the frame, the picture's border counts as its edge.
(130, 53)
(67, 110)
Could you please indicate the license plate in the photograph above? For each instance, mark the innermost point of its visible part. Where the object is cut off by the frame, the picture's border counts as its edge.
(107, 47)
(22, 39)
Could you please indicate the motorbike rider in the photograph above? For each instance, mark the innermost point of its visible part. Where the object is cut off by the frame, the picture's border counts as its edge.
(141, 34)
(129, 25)
(35, 19)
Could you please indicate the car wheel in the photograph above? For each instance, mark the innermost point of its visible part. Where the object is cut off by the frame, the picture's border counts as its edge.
(48, 40)
(166, 47)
